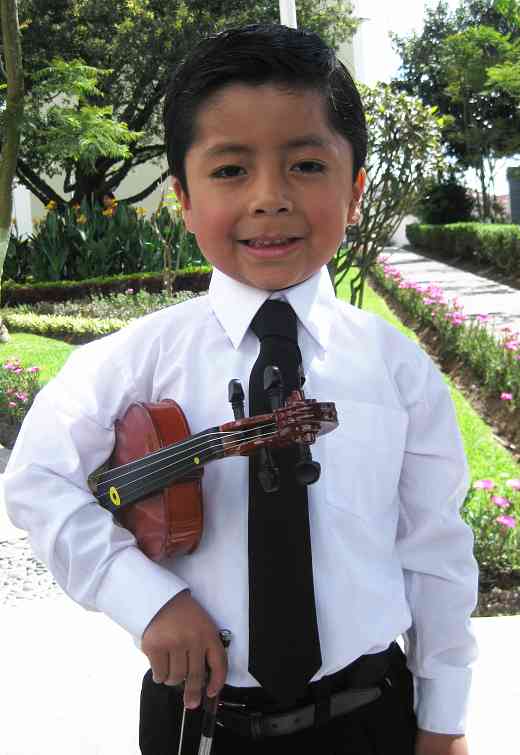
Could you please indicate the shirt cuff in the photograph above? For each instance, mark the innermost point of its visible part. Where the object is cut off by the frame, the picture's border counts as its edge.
(135, 589)
(442, 703)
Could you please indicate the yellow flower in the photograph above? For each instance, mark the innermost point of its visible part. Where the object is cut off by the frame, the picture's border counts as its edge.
(51, 206)
(141, 211)
(108, 212)
(81, 219)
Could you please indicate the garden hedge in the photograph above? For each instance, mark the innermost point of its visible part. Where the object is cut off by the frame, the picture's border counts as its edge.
(187, 279)
(498, 245)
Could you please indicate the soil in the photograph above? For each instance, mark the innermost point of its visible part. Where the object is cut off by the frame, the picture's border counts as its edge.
(499, 593)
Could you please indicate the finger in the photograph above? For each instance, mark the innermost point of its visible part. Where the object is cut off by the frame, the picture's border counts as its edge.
(159, 664)
(217, 662)
(178, 669)
(195, 680)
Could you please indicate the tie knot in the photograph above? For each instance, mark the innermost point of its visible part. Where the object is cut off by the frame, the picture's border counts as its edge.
(275, 318)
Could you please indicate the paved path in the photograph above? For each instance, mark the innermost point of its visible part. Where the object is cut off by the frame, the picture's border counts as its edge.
(71, 678)
(478, 295)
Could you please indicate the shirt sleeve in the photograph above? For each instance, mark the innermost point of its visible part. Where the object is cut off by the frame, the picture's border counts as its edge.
(67, 434)
(436, 552)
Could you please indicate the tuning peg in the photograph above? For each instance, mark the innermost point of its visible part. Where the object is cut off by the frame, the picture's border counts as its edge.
(273, 385)
(236, 398)
(306, 470)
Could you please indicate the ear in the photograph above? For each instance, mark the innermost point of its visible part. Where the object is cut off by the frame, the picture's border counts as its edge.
(184, 202)
(358, 188)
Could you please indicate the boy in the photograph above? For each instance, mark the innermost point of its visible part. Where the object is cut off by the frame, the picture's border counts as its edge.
(266, 143)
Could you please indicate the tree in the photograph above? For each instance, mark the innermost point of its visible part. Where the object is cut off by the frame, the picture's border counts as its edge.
(466, 58)
(450, 66)
(134, 46)
(404, 151)
(12, 70)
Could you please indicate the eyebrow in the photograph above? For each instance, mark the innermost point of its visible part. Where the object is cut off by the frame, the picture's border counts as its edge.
(310, 140)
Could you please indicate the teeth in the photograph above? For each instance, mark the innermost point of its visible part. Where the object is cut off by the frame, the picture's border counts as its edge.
(274, 242)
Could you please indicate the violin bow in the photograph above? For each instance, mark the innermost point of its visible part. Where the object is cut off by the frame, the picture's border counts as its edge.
(210, 707)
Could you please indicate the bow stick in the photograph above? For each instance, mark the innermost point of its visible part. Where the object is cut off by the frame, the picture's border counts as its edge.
(209, 707)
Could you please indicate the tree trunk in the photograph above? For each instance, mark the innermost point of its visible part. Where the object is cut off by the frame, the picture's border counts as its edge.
(486, 209)
(13, 122)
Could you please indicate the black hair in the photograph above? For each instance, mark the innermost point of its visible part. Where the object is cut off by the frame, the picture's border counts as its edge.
(260, 54)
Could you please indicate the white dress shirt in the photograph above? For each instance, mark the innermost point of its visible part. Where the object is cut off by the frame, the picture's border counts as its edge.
(391, 555)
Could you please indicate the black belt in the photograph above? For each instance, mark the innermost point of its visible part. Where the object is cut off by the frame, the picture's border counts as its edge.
(256, 725)
(249, 712)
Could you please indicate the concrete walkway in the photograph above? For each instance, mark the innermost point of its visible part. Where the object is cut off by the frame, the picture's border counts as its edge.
(477, 294)
(71, 678)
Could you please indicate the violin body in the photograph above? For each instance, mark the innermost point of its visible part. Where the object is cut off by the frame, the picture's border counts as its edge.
(167, 522)
(152, 481)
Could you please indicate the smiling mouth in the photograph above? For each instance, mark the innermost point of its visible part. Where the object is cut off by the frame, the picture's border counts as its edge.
(269, 244)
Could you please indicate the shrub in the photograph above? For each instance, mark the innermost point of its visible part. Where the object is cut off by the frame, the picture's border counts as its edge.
(13, 294)
(18, 388)
(81, 241)
(498, 245)
(444, 202)
(492, 510)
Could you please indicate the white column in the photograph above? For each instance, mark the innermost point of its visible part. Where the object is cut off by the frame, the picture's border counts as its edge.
(22, 210)
(288, 13)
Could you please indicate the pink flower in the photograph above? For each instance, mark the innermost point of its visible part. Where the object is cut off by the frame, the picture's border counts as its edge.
(483, 318)
(32, 369)
(515, 484)
(506, 396)
(507, 521)
(484, 484)
(501, 502)
(129, 291)
(12, 404)
(512, 345)
(22, 396)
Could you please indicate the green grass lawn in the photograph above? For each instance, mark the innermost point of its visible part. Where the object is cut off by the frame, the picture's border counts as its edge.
(486, 457)
(47, 353)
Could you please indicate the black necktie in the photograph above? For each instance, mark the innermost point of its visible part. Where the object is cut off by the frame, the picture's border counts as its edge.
(284, 649)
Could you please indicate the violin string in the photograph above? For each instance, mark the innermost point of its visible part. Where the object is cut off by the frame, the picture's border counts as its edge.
(192, 439)
(184, 464)
(140, 486)
(195, 450)
(170, 452)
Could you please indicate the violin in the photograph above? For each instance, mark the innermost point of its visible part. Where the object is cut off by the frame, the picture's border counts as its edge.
(152, 481)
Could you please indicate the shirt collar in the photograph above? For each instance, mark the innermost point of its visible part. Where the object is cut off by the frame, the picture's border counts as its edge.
(235, 304)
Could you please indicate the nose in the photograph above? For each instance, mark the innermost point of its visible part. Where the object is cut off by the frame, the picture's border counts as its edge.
(270, 196)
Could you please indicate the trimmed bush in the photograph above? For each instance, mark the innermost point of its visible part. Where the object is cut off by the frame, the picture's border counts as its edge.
(188, 279)
(75, 330)
(498, 245)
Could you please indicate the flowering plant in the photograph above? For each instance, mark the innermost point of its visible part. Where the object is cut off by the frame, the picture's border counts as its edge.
(492, 509)
(492, 353)
(18, 388)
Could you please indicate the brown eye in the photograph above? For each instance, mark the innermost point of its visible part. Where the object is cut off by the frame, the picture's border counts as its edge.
(310, 166)
(227, 171)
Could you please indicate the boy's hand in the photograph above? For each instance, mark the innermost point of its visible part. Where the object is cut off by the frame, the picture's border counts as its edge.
(181, 643)
(428, 743)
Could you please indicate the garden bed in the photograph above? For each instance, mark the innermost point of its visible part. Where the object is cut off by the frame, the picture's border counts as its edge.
(499, 593)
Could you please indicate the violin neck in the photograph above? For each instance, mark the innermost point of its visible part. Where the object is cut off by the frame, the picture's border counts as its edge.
(119, 487)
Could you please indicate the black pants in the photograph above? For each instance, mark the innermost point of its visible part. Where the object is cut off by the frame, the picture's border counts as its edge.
(386, 726)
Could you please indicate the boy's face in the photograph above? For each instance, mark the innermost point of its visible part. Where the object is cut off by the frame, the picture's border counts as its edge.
(266, 167)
